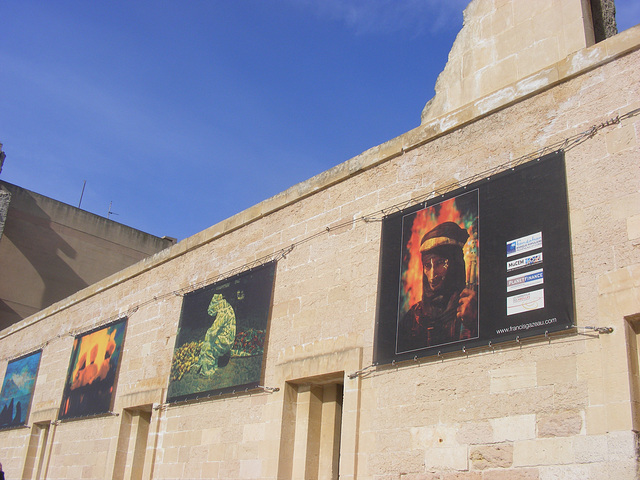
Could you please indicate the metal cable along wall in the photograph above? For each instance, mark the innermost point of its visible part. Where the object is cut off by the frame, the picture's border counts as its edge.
(565, 145)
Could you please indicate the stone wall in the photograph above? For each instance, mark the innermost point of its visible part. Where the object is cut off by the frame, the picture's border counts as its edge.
(564, 407)
(503, 41)
(50, 250)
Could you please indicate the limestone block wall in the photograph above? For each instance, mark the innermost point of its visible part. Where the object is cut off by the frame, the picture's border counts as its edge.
(504, 41)
(49, 250)
(564, 407)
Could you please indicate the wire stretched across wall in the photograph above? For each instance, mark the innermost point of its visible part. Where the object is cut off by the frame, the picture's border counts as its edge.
(564, 145)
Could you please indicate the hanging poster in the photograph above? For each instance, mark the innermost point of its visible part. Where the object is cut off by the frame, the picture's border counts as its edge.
(221, 337)
(93, 370)
(17, 390)
(483, 264)
(438, 299)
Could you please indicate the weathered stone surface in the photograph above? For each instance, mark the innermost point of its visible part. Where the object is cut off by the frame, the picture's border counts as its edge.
(503, 42)
(512, 428)
(543, 451)
(461, 476)
(563, 424)
(475, 432)
(512, 474)
(567, 472)
(491, 456)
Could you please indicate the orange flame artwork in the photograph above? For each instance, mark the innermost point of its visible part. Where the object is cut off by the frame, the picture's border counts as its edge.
(462, 210)
(94, 362)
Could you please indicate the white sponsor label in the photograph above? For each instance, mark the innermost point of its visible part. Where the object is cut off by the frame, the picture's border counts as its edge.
(524, 280)
(525, 302)
(524, 244)
(523, 262)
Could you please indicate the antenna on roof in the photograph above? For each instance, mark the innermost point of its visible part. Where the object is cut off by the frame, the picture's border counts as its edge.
(82, 194)
(109, 213)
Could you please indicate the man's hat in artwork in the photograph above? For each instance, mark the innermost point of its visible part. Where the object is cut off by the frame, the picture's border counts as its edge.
(447, 233)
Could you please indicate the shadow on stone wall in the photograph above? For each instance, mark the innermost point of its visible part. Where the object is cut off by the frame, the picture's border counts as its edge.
(31, 231)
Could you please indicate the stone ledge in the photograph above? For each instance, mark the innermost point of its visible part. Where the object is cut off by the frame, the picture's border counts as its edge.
(45, 415)
(140, 399)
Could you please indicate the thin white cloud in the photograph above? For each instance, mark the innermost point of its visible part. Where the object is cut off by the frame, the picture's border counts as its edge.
(413, 17)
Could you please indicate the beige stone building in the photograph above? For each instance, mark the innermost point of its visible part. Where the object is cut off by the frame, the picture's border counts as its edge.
(49, 250)
(523, 79)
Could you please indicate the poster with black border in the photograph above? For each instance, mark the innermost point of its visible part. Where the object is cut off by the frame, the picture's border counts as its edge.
(222, 336)
(486, 263)
(89, 388)
(17, 390)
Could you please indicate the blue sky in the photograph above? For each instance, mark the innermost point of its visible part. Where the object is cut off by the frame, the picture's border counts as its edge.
(184, 113)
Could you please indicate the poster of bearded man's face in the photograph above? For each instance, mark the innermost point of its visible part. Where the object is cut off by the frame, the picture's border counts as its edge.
(438, 297)
(486, 263)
